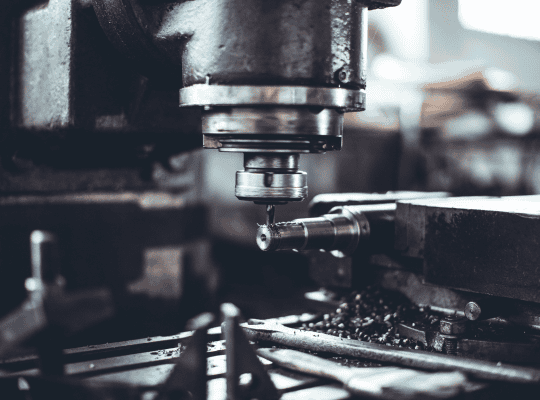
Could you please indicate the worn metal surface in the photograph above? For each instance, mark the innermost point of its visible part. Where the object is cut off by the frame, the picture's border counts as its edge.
(244, 53)
(417, 359)
(67, 75)
(311, 42)
(485, 245)
(74, 114)
(45, 91)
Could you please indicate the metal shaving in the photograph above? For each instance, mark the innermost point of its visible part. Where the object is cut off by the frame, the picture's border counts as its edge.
(372, 315)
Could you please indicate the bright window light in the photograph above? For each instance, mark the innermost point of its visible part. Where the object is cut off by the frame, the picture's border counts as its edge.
(517, 18)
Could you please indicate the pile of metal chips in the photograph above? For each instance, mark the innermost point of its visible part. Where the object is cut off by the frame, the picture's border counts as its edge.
(372, 315)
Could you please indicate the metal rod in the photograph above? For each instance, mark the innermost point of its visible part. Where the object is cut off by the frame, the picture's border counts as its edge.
(321, 342)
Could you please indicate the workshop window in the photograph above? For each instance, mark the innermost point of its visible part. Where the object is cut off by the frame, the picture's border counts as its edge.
(500, 17)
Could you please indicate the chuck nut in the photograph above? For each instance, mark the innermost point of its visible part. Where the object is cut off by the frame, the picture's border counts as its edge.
(453, 325)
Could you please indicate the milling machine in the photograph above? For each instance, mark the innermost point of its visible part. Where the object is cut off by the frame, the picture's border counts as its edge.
(95, 168)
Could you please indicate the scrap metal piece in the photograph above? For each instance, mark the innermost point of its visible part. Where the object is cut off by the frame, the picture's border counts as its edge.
(246, 376)
(259, 330)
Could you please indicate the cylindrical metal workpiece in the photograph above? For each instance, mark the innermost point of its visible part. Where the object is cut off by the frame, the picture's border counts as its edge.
(340, 232)
(275, 237)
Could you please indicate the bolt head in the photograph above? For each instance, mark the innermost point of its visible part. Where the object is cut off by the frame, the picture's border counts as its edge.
(453, 326)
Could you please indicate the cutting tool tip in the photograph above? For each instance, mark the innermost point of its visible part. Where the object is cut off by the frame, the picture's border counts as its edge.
(270, 214)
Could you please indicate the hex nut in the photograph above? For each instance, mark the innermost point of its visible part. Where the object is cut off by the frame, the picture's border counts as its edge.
(453, 326)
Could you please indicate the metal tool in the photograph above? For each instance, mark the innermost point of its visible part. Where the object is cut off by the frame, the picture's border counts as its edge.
(270, 214)
(381, 383)
(259, 330)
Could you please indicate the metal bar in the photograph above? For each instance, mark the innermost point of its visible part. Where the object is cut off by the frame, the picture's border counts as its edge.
(416, 359)
(156, 343)
(92, 352)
